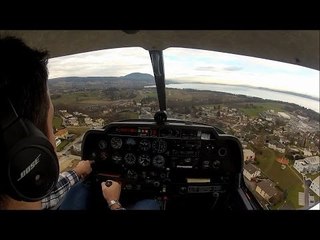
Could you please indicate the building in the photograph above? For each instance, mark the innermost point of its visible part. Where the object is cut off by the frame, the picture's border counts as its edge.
(315, 186)
(313, 163)
(76, 148)
(303, 118)
(307, 153)
(73, 121)
(88, 120)
(58, 142)
(62, 134)
(283, 115)
(308, 165)
(248, 155)
(251, 171)
(244, 144)
(266, 189)
(277, 146)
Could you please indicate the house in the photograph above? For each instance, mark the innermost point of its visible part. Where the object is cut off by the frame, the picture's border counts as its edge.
(315, 186)
(76, 148)
(58, 142)
(251, 171)
(248, 155)
(283, 115)
(307, 153)
(88, 120)
(266, 189)
(307, 165)
(73, 121)
(277, 146)
(313, 164)
(62, 133)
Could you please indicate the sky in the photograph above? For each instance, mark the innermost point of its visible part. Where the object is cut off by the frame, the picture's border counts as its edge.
(191, 65)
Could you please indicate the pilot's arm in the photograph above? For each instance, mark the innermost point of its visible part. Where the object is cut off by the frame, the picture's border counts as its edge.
(111, 192)
(66, 180)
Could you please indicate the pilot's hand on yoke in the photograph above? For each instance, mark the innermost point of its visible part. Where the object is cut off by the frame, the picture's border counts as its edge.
(83, 169)
(111, 192)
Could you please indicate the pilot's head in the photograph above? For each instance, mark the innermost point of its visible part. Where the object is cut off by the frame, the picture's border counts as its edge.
(23, 79)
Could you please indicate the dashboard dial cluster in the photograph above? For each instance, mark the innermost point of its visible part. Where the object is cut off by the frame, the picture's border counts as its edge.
(153, 157)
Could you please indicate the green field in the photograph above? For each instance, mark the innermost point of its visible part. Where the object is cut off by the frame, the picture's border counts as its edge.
(150, 93)
(257, 108)
(177, 94)
(90, 97)
(127, 115)
(56, 122)
(77, 130)
(286, 179)
(62, 145)
(312, 176)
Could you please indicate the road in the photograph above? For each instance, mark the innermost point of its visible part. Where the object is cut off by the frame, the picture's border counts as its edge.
(68, 162)
(306, 192)
(66, 159)
(68, 147)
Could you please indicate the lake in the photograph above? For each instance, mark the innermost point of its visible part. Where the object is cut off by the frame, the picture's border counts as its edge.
(252, 92)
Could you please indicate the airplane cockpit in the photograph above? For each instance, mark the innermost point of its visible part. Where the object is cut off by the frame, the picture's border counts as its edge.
(179, 163)
(187, 164)
(176, 161)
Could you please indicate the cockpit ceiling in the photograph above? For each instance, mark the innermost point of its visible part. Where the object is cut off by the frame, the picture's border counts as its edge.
(295, 47)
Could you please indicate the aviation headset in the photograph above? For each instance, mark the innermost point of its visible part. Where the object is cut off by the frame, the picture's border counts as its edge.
(30, 167)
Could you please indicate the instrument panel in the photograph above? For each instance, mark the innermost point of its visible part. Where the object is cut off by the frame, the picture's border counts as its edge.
(172, 158)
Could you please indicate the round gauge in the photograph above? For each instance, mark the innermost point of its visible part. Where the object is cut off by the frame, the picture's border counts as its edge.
(102, 144)
(116, 158)
(103, 156)
(131, 174)
(131, 142)
(145, 145)
(158, 161)
(144, 160)
(130, 159)
(116, 142)
(159, 145)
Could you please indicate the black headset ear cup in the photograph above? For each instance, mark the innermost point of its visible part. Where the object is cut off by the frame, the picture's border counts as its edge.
(33, 167)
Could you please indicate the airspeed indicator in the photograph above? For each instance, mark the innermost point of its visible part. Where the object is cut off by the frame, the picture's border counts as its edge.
(159, 146)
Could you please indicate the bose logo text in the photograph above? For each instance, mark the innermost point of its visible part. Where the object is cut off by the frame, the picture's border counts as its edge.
(29, 168)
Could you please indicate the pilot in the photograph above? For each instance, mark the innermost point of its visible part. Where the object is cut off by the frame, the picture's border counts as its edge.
(26, 130)
(23, 89)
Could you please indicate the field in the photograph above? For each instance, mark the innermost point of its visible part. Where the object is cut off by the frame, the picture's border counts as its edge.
(88, 97)
(253, 110)
(57, 122)
(128, 115)
(62, 145)
(77, 130)
(286, 179)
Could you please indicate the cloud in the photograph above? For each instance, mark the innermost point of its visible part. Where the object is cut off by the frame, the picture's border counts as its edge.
(114, 62)
(191, 65)
(218, 68)
(207, 68)
(232, 68)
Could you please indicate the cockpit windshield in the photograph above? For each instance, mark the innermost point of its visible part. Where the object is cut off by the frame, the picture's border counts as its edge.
(272, 108)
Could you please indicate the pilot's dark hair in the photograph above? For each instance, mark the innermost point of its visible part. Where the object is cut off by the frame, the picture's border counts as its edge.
(23, 79)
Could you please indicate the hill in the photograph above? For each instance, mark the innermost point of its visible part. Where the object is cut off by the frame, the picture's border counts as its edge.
(132, 80)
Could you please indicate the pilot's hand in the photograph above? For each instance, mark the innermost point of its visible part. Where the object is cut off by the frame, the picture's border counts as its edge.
(111, 190)
(83, 169)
